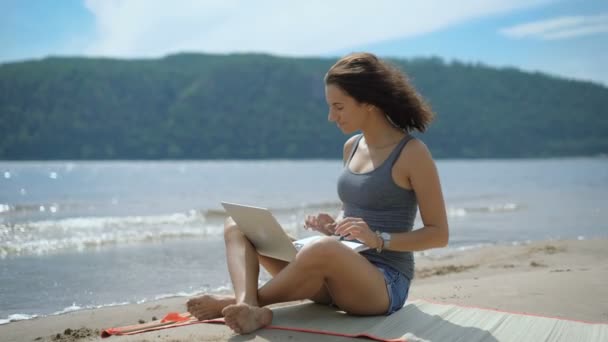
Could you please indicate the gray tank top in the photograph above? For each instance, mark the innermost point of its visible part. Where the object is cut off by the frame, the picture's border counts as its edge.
(382, 204)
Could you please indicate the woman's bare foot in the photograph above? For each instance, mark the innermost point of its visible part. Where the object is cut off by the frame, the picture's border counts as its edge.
(244, 318)
(208, 306)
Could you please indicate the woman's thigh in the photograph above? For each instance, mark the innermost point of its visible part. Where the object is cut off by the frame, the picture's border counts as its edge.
(354, 284)
(274, 266)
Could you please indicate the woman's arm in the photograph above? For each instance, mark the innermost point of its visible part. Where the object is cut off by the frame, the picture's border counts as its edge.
(424, 179)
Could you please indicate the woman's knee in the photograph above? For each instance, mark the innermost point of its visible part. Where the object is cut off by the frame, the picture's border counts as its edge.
(321, 252)
(230, 228)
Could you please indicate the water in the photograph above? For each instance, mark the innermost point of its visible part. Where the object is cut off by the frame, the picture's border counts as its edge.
(77, 235)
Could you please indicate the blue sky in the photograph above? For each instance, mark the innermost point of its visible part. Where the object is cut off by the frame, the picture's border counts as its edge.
(566, 38)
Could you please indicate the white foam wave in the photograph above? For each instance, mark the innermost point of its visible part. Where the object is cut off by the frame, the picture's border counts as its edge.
(70, 308)
(460, 248)
(75, 307)
(17, 317)
(495, 208)
(8, 209)
(179, 294)
(48, 236)
(81, 233)
(457, 212)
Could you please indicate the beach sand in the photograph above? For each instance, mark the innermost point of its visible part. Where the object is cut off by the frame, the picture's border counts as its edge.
(564, 279)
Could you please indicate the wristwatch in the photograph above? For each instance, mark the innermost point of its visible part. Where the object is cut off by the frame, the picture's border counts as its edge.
(386, 240)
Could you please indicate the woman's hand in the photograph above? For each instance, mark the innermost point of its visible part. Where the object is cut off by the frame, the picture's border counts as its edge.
(353, 228)
(323, 223)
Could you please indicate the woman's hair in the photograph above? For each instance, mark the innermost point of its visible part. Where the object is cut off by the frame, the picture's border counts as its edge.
(370, 80)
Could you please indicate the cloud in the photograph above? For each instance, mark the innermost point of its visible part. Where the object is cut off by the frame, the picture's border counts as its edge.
(152, 28)
(560, 28)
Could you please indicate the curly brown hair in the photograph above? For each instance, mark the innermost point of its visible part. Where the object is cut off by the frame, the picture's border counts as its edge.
(371, 80)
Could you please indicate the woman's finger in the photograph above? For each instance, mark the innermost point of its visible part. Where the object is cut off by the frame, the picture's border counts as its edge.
(308, 222)
(348, 220)
(344, 222)
(325, 217)
(343, 228)
(329, 228)
(324, 230)
(332, 228)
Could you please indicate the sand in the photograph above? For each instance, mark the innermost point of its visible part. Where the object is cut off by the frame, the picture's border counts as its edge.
(565, 279)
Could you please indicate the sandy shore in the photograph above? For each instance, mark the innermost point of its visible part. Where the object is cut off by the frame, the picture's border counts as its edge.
(554, 278)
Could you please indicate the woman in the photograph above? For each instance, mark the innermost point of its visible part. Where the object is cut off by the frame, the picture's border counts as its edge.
(387, 176)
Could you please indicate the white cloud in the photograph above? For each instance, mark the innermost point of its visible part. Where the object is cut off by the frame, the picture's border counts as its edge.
(560, 28)
(152, 28)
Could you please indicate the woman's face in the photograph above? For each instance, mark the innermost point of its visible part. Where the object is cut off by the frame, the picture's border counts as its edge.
(348, 114)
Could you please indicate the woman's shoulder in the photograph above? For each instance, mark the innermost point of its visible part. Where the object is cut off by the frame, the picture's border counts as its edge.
(349, 145)
(415, 150)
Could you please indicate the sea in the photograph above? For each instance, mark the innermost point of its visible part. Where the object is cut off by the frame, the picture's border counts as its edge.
(78, 235)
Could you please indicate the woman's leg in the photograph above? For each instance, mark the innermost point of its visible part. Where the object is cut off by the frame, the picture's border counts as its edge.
(210, 306)
(243, 265)
(355, 285)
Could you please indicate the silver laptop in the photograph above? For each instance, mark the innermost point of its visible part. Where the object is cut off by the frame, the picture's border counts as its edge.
(263, 230)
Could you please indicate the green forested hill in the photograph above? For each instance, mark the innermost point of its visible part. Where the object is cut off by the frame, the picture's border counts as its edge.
(195, 106)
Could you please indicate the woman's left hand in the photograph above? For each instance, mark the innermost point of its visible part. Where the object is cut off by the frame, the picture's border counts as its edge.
(353, 228)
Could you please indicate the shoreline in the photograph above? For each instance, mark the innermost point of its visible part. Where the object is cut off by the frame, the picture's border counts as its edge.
(556, 278)
(424, 256)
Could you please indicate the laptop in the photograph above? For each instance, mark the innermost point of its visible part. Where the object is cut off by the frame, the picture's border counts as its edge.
(263, 230)
(267, 236)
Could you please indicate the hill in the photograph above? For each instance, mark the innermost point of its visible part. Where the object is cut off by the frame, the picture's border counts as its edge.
(198, 106)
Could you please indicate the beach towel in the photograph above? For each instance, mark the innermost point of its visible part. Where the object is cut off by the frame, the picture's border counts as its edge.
(419, 320)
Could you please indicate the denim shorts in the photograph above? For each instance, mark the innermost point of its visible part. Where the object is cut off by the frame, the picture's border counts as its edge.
(397, 284)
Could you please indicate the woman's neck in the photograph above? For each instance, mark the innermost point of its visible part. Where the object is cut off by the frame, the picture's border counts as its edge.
(380, 133)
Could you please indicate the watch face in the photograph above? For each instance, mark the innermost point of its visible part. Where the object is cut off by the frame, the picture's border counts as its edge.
(385, 236)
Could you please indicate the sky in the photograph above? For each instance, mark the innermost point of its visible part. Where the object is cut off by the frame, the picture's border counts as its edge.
(564, 38)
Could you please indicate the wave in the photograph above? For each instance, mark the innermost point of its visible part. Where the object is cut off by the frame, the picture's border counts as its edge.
(496, 208)
(9, 209)
(5, 208)
(74, 307)
(17, 317)
(42, 237)
(311, 207)
(80, 233)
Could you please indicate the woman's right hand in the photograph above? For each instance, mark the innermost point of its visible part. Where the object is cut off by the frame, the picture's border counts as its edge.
(323, 223)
